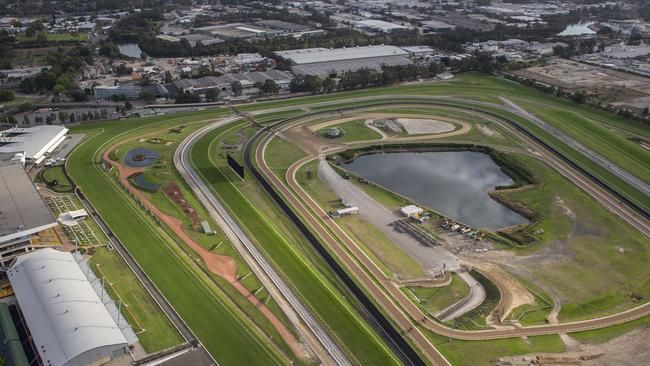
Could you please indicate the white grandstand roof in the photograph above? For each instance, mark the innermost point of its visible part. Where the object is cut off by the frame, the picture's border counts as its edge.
(314, 55)
(33, 141)
(22, 211)
(65, 315)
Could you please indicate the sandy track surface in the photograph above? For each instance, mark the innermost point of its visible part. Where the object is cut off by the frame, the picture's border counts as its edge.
(221, 265)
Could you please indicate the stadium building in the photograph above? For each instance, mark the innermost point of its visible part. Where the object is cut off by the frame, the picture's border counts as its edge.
(23, 213)
(34, 143)
(335, 62)
(70, 319)
(224, 82)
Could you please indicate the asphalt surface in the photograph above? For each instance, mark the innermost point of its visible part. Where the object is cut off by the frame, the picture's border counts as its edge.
(207, 198)
(433, 258)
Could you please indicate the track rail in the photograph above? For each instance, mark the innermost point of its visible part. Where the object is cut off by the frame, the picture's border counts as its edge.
(377, 318)
(204, 193)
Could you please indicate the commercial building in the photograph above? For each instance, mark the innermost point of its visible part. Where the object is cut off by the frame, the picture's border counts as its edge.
(34, 143)
(224, 82)
(69, 322)
(237, 30)
(378, 26)
(335, 62)
(22, 212)
(122, 91)
(411, 210)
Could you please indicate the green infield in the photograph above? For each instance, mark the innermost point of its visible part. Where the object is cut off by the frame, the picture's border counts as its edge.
(217, 325)
(287, 251)
(352, 131)
(436, 299)
(163, 173)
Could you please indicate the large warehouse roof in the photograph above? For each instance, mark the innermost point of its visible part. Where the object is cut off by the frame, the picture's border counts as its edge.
(22, 211)
(66, 317)
(340, 67)
(314, 55)
(33, 141)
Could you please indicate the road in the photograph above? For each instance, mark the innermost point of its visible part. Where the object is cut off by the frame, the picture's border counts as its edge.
(263, 268)
(433, 258)
(475, 298)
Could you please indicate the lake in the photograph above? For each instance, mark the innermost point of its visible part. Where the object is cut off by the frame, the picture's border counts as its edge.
(130, 49)
(577, 29)
(453, 183)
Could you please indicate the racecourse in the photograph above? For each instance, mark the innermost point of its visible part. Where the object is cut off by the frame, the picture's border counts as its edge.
(222, 330)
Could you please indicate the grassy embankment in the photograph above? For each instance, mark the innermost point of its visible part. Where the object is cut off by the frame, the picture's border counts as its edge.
(302, 268)
(216, 324)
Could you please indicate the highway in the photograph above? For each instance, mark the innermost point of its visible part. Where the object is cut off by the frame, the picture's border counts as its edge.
(236, 234)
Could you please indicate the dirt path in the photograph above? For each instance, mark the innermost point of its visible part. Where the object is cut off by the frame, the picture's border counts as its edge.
(221, 265)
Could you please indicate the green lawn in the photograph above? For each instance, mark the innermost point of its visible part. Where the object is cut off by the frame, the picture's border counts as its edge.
(484, 353)
(56, 37)
(218, 326)
(305, 276)
(354, 131)
(435, 299)
(154, 330)
(55, 179)
(603, 335)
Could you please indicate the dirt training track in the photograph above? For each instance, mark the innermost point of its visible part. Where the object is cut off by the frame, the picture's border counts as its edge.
(309, 216)
(310, 211)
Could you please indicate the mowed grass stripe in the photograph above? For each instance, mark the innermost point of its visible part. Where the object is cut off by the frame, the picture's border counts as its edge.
(222, 333)
(322, 298)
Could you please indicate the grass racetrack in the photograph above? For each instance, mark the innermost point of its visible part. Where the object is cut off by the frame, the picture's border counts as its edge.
(321, 297)
(221, 331)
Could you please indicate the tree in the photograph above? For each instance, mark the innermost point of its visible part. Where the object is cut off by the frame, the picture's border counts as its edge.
(211, 95)
(30, 32)
(168, 77)
(236, 88)
(645, 112)
(270, 87)
(147, 97)
(26, 120)
(312, 84)
(50, 119)
(104, 113)
(25, 107)
(128, 106)
(182, 98)
(72, 118)
(6, 95)
(109, 50)
(63, 116)
(328, 85)
(41, 38)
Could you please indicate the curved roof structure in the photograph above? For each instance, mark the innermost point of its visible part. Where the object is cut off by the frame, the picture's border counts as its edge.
(66, 317)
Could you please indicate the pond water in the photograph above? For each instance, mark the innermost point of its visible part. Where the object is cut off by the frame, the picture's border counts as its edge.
(140, 157)
(130, 49)
(577, 29)
(140, 181)
(454, 183)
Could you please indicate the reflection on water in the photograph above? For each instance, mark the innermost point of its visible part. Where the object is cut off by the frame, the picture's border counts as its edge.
(577, 29)
(130, 49)
(454, 183)
(140, 157)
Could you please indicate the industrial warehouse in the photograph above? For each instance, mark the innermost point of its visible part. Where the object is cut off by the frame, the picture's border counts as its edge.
(335, 62)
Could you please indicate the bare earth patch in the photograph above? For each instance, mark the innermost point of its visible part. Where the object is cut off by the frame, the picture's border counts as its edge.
(419, 126)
